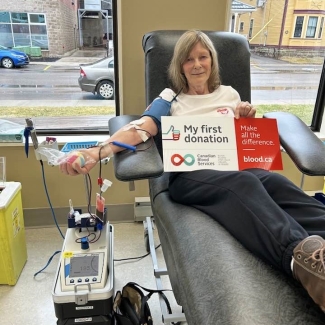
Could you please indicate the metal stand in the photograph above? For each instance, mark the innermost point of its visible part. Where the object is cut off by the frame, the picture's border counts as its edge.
(158, 272)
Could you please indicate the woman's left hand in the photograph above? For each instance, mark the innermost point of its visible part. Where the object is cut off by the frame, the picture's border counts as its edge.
(245, 109)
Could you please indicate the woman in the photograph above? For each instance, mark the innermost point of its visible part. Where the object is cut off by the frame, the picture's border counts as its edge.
(267, 213)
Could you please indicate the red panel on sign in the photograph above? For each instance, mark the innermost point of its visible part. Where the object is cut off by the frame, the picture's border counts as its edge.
(258, 144)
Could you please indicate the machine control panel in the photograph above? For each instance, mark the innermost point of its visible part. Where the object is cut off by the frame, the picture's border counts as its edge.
(84, 268)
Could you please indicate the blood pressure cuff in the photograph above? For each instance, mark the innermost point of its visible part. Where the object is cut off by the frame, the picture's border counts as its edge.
(158, 108)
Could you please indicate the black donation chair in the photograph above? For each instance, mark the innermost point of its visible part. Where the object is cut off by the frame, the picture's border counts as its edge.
(214, 278)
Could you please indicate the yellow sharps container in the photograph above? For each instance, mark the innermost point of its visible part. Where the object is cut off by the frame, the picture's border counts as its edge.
(13, 252)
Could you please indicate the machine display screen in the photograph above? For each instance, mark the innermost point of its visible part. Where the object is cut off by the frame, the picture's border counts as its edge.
(84, 266)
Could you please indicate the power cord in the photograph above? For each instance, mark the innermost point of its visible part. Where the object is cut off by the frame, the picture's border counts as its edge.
(48, 263)
(135, 258)
(54, 217)
(48, 199)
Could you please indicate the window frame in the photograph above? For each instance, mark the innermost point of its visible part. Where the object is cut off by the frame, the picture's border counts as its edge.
(321, 27)
(251, 26)
(15, 12)
(6, 22)
(29, 24)
(312, 28)
(302, 27)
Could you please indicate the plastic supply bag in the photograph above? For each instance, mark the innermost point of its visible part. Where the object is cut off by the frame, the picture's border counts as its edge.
(56, 157)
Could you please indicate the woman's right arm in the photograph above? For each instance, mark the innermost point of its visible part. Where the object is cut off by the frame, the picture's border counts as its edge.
(127, 134)
(149, 123)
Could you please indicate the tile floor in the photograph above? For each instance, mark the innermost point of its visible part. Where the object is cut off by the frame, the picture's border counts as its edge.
(29, 302)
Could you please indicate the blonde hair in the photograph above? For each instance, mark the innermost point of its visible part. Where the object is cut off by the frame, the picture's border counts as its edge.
(182, 50)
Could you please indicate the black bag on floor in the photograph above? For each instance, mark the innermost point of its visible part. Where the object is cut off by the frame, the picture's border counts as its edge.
(131, 305)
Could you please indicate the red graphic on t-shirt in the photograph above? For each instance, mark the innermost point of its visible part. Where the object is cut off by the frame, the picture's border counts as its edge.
(223, 110)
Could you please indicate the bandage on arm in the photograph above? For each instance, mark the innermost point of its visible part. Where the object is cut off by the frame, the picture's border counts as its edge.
(131, 135)
(140, 130)
(137, 126)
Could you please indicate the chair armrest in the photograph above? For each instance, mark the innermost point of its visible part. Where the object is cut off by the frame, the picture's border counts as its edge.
(131, 166)
(305, 149)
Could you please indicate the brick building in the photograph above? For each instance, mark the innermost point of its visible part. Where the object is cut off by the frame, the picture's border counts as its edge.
(49, 24)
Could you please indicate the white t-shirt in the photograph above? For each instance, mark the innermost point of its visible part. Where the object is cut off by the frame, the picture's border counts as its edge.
(222, 102)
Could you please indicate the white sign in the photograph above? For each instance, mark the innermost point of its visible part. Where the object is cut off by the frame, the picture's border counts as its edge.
(222, 143)
(93, 5)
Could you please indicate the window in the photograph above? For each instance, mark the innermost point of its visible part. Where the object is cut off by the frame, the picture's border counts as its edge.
(321, 25)
(5, 17)
(23, 29)
(39, 19)
(48, 88)
(251, 24)
(19, 17)
(111, 64)
(311, 27)
(21, 34)
(298, 27)
(6, 35)
(39, 36)
(241, 26)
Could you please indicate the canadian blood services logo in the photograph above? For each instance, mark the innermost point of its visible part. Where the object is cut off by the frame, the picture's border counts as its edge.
(176, 159)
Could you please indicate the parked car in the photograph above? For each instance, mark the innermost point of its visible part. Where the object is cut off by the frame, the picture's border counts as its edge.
(98, 77)
(12, 58)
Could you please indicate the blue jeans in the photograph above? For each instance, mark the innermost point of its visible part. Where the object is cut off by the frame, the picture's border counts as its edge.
(265, 211)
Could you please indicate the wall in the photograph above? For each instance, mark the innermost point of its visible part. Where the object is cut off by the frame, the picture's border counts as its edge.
(141, 17)
(92, 31)
(65, 24)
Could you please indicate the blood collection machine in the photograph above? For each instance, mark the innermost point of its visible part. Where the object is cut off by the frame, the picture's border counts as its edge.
(83, 289)
(84, 284)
